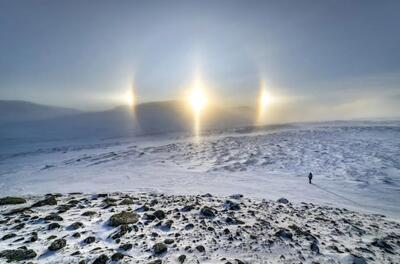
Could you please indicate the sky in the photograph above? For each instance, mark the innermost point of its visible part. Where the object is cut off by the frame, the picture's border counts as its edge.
(317, 59)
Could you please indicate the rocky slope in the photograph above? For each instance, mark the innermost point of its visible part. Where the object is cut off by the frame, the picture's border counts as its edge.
(159, 228)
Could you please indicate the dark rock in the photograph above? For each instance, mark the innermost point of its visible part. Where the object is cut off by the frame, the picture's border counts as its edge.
(126, 201)
(123, 229)
(18, 254)
(283, 200)
(187, 208)
(53, 226)
(381, 243)
(169, 241)
(51, 200)
(229, 205)
(76, 235)
(75, 226)
(89, 240)
(57, 244)
(19, 226)
(159, 248)
(8, 236)
(159, 214)
(11, 200)
(189, 226)
(102, 259)
(117, 256)
(89, 213)
(207, 212)
(200, 248)
(284, 233)
(123, 218)
(53, 217)
(181, 258)
(34, 237)
(314, 247)
(126, 247)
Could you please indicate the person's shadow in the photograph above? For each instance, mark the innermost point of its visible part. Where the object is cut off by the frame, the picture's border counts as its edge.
(337, 195)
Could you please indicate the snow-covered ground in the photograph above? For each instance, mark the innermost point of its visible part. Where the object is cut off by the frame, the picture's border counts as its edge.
(355, 165)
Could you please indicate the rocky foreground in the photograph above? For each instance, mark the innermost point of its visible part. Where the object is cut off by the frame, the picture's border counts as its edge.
(158, 228)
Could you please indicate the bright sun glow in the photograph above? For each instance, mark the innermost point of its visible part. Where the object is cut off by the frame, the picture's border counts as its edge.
(265, 99)
(197, 97)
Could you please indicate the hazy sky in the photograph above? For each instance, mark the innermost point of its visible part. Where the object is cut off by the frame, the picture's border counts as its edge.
(335, 57)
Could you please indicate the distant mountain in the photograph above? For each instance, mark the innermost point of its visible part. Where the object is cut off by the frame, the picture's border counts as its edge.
(52, 123)
(17, 111)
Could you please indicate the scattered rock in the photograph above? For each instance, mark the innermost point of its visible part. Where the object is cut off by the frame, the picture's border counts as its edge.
(200, 248)
(102, 259)
(57, 244)
(117, 256)
(207, 212)
(123, 218)
(53, 226)
(126, 247)
(283, 200)
(11, 200)
(18, 254)
(89, 240)
(8, 236)
(181, 258)
(159, 214)
(159, 248)
(53, 217)
(51, 200)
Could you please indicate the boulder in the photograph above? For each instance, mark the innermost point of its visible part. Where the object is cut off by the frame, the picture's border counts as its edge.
(123, 218)
(11, 200)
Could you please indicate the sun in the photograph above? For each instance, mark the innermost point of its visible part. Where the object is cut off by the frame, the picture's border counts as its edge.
(197, 98)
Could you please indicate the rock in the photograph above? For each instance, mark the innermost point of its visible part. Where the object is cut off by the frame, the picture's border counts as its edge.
(236, 196)
(123, 229)
(229, 205)
(283, 200)
(381, 243)
(159, 214)
(284, 233)
(157, 261)
(8, 236)
(18, 254)
(34, 237)
(207, 212)
(11, 200)
(169, 241)
(51, 200)
(117, 256)
(89, 240)
(76, 235)
(187, 208)
(314, 247)
(75, 226)
(123, 218)
(159, 248)
(53, 226)
(89, 213)
(181, 258)
(110, 202)
(126, 247)
(200, 248)
(189, 226)
(57, 244)
(53, 217)
(102, 259)
(126, 201)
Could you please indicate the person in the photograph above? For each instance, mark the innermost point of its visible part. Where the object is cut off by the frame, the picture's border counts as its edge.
(309, 178)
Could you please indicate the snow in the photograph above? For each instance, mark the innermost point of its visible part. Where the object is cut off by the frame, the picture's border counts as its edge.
(355, 164)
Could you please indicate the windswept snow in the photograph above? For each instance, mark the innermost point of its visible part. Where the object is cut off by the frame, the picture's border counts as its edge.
(356, 165)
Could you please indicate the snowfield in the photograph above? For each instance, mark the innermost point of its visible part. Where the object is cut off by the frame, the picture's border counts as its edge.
(355, 164)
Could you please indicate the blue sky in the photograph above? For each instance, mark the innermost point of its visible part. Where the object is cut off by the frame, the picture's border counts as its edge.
(86, 54)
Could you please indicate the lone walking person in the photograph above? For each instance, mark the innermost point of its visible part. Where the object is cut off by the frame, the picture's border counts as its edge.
(310, 178)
